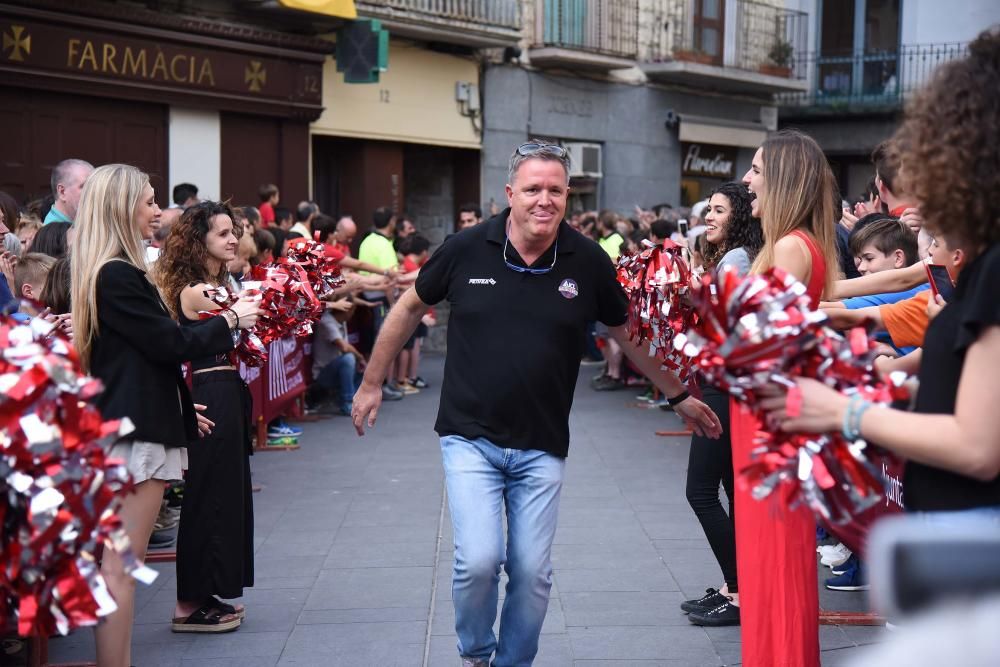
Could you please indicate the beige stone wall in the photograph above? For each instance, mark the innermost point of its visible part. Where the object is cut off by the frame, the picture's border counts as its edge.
(414, 101)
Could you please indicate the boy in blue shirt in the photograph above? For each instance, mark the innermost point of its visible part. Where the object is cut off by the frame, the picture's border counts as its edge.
(877, 246)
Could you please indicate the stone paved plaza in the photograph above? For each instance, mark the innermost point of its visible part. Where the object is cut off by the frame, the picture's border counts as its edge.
(354, 554)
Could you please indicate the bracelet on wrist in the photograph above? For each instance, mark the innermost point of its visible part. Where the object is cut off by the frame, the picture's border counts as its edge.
(845, 426)
(859, 413)
(679, 398)
(856, 409)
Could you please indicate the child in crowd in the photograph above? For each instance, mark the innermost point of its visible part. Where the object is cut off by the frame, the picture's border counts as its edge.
(882, 243)
(264, 240)
(415, 250)
(269, 198)
(30, 274)
(55, 293)
(25, 231)
(33, 277)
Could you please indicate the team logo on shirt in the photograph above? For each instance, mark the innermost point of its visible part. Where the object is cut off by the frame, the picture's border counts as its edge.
(568, 288)
(482, 281)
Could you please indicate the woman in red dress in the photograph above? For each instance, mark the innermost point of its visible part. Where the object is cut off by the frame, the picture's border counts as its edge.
(796, 201)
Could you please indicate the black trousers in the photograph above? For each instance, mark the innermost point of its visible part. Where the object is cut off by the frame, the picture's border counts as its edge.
(709, 464)
(215, 538)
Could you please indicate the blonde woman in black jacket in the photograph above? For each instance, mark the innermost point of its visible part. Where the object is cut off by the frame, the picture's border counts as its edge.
(126, 338)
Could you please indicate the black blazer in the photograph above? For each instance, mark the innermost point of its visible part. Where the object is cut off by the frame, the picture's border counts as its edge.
(138, 352)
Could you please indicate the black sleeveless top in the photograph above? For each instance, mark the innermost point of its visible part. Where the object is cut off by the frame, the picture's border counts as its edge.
(974, 308)
(202, 363)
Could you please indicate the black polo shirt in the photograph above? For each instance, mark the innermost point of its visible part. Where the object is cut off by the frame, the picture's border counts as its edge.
(515, 340)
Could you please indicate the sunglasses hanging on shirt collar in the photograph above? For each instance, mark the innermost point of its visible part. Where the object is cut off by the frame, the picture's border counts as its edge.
(525, 269)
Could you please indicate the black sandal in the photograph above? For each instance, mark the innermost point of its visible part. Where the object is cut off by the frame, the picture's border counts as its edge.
(207, 619)
(227, 608)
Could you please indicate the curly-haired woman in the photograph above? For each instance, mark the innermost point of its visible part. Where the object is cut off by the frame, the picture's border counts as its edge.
(734, 237)
(215, 539)
(126, 338)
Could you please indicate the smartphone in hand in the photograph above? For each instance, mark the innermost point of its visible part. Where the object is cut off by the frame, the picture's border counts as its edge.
(940, 280)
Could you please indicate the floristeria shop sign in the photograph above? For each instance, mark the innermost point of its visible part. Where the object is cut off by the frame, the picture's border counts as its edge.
(708, 160)
(94, 56)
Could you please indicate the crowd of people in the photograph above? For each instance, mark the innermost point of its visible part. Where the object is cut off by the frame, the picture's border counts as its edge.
(915, 256)
(127, 281)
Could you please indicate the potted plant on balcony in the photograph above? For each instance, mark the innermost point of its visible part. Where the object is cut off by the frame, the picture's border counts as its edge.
(780, 57)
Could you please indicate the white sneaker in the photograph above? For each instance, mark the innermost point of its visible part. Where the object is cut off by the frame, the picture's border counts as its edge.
(835, 556)
(836, 561)
(825, 549)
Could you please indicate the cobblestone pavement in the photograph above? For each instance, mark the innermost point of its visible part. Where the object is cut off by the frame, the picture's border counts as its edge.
(354, 554)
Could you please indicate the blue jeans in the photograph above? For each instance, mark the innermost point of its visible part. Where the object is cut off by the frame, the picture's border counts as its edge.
(481, 477)
(337, 377)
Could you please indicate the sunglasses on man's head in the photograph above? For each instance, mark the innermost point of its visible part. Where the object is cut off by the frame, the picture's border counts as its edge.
(534, 148)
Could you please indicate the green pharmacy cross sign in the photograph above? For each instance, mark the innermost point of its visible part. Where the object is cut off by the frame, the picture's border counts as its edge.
(362, 51)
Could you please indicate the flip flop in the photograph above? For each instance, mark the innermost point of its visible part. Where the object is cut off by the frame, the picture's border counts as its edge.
(227, 608)
(207, 619)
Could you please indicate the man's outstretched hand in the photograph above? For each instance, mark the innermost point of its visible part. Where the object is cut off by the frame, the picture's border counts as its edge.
(365, 407)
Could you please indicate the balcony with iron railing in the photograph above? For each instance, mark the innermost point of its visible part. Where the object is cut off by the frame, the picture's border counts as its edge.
(735, 46)
(587, 34)
(474, 23)
(867, 82)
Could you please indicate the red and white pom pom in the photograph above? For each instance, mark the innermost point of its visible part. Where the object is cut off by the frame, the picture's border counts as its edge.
(61, 492)
(657, 280)
(761, 330)
(289, 291)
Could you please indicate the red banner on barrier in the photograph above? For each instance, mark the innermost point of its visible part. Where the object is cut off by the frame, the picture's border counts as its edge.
(283, 376)
(276, 384)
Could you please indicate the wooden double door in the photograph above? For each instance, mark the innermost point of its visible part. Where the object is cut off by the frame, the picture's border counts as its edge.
(40, 128)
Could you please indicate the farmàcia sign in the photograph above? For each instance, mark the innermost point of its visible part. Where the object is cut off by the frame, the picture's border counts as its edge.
(89, 55)
(106, 58)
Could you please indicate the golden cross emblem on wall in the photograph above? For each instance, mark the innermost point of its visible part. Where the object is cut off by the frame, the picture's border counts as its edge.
(18, 42)
(255, 75)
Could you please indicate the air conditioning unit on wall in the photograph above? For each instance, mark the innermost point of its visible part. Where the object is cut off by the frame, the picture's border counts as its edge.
(585, 159)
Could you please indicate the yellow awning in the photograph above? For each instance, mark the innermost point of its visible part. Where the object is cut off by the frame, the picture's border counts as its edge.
(344, 9)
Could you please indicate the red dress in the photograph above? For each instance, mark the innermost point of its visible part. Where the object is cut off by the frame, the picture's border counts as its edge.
(776, 549)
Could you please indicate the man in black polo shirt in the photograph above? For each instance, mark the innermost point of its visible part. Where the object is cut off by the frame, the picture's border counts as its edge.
(522, 288)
